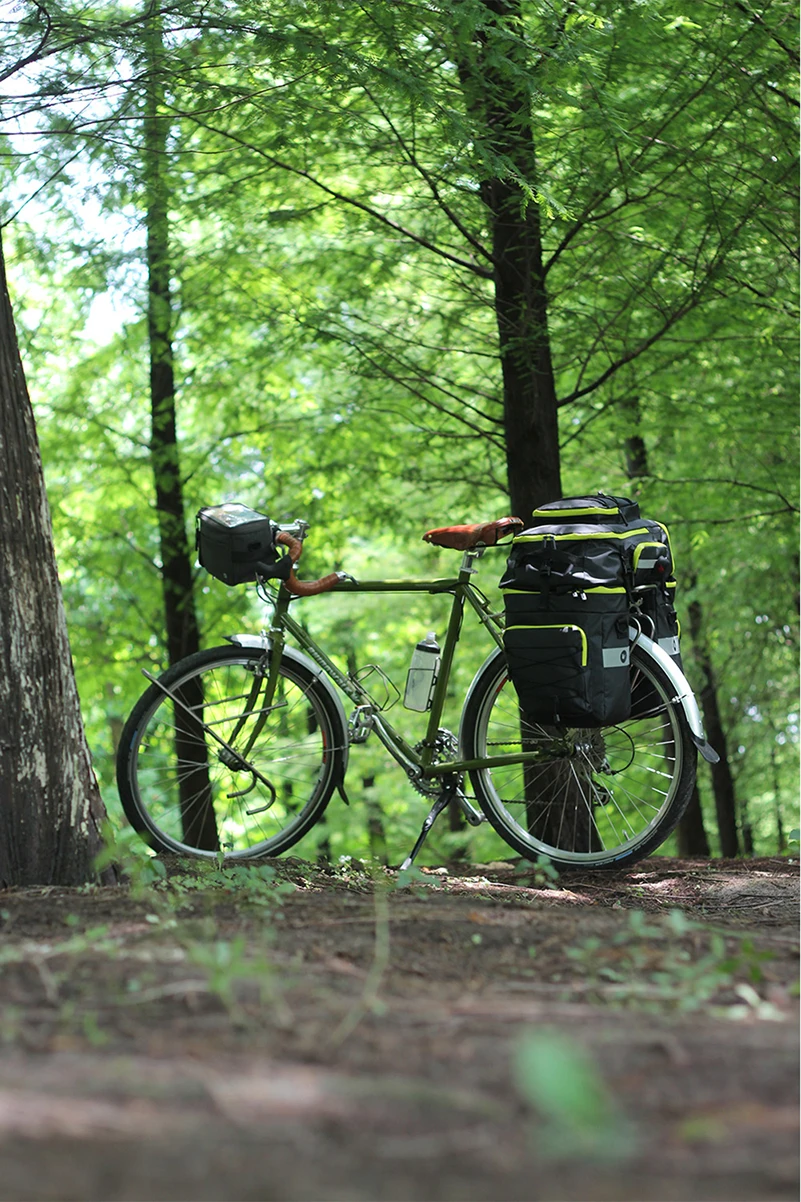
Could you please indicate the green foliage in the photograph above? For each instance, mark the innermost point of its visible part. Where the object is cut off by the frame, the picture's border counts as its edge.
(544, 874)
(337, 346)
(670, 962)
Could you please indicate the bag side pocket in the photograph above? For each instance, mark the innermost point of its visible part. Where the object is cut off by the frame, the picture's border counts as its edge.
(548, 668)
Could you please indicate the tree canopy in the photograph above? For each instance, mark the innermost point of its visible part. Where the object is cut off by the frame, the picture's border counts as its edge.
(426, 262)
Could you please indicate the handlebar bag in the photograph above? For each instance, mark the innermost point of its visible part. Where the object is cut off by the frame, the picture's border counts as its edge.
(234, 541)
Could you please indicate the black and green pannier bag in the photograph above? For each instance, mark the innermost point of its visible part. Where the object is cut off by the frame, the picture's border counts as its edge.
(574, 583)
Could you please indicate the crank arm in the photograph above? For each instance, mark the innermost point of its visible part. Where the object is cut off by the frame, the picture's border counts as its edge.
(473, 816)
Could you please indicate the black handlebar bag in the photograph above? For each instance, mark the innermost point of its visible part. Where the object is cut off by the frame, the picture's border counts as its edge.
(235, 543)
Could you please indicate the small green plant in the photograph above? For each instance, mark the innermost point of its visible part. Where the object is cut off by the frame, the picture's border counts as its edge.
(579, 1116)
(124, 848)
(224, 964)
(254, 886)
(412, 876)
(544, 874)
(646, 965)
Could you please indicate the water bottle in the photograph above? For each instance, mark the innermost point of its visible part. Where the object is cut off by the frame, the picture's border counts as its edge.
(422, 675)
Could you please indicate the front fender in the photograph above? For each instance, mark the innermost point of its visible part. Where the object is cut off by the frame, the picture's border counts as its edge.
(259, 642)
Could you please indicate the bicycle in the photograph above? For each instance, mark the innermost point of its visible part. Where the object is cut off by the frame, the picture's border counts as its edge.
(236, 751)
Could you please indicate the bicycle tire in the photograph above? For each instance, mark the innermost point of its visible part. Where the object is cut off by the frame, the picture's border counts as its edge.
(210, 796)
(607, 797)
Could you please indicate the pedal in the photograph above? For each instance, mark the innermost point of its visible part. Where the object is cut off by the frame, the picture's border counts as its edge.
(360, 723)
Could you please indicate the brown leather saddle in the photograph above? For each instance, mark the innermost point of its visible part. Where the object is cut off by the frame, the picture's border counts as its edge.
(481, 534)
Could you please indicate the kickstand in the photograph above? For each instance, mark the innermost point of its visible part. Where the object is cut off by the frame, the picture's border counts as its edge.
(447, 795)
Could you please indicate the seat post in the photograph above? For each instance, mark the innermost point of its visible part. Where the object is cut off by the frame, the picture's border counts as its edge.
(466, 567)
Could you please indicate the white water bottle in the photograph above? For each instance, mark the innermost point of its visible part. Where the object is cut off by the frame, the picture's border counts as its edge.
(422, 674)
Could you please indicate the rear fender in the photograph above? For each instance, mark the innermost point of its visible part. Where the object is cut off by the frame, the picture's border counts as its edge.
(683, 694)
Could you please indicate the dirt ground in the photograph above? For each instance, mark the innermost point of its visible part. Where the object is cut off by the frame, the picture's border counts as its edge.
(312, 1033)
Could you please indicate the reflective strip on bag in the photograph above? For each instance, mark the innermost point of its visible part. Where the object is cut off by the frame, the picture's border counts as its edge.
(616, 657)
(587, 592)
(571, 513)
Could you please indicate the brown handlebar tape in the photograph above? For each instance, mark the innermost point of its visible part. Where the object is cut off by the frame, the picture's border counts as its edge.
(303, 588)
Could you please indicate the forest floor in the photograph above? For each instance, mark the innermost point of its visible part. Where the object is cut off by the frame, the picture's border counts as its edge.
(299, 1032)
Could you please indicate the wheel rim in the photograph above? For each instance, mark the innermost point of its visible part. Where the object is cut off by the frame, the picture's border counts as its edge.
(255, 812)
(603, 796)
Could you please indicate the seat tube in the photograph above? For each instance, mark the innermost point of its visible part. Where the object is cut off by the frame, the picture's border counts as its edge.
(446, 661)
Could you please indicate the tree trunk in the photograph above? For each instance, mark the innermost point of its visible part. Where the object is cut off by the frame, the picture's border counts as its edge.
(635, 448)
(493, 70)
(722, 780)
(692, 838)
(180, 618)
(50, 806)
(693, 842)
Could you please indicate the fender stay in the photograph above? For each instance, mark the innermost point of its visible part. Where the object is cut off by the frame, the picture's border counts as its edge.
(261, 643)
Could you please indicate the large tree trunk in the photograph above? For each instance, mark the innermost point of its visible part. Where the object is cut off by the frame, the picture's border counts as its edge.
(493, 71)
(50, 806)
(180, 617)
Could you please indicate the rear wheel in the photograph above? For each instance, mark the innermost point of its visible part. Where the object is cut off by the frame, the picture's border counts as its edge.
(207, 768)
(595, 797)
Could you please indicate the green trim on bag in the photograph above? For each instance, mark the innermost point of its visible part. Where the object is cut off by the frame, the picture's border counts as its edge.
(585, 537)
(667, 535)
(558, 626)
(568, 513)
(588, 592)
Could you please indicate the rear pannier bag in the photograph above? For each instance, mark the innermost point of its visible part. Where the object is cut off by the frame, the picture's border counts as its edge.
(233, 540)
(572, 583)
(568, 656)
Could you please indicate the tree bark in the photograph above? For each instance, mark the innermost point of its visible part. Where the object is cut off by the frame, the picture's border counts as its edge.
(494, 74)
(722, 780)
(50, 805)
(693, 842)
(180, 617)
(692, 838)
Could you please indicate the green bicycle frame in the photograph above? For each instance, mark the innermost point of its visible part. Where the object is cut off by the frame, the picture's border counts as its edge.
(417, 761)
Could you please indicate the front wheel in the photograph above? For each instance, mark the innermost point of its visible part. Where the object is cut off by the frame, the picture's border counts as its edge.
(595, 797)
(208, 767)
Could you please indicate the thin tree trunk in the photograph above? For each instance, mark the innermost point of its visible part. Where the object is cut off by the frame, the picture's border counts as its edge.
(693, 842)
(376, 830)
(722, 780)
(636, 450)
(781, 842)
(180, 618)
(692, 837)
(50, 805)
